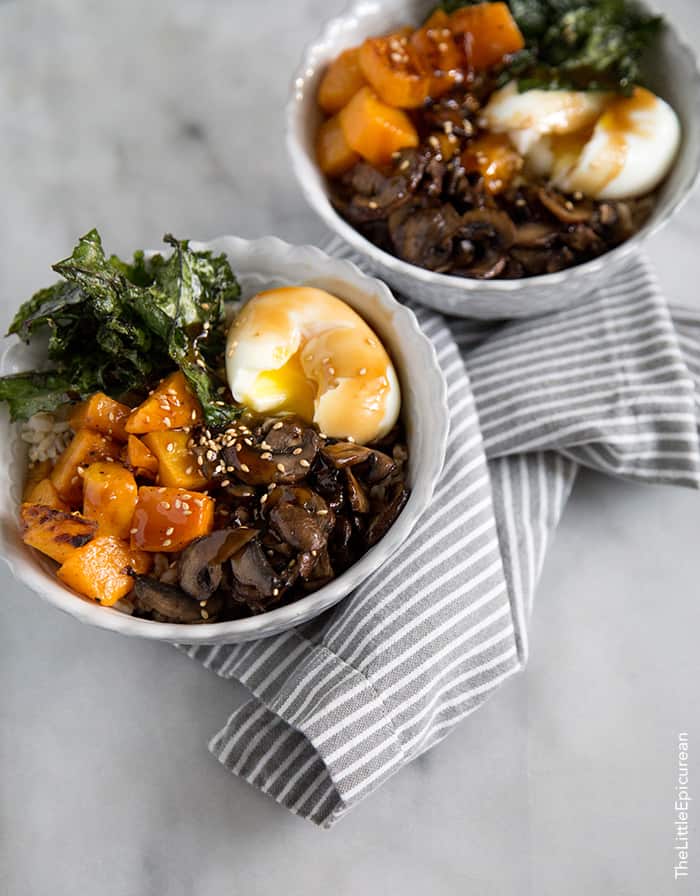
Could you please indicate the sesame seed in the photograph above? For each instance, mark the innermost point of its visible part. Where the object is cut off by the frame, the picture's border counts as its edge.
(225, 482)
(167, 422)
(362, 371)
(204, 614)
(164, 505)
(304, 462)
(161, 491)
(266, 456)
(322, 435)
(169, 530)
(297, 451)
(193, 415)
(133, 531)
(238, 446)
(263, 498)
(322, 512)
(167, 542)
(202, 603)
(265, 446)
(351, 439)
(170, 447)
(200, 460)
(278, 425)
(281, 468)
(211, 455)
(372, 204)
(245, 468)
(331, 371)
(189, 471)
(275, 592)
(314, 553)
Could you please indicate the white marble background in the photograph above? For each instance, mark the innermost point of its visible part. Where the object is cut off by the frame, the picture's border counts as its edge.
(143, 117)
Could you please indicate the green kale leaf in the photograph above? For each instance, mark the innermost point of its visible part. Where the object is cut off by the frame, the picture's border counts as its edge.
(119, 326)
(579, 46)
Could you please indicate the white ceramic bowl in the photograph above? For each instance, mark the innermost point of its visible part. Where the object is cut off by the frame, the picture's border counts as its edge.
(262, 264)
(671, 72)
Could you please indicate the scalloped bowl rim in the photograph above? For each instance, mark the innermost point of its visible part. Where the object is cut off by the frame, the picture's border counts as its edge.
(26, 567)
(310, 181)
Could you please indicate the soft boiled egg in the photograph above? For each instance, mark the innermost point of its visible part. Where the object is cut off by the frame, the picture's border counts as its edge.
(629, 153)
(301, 350)
(528, 116)
(600, 144)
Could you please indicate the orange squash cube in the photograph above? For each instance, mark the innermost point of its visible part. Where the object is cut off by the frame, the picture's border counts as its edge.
(438, 55)
(496, 160)
(374, 130)
(103, 569)
(168, 519)
(341, 81)
(334, 153)
(140, 458)
(103, 414)
(393, 69)
(54, 532)
(171, 406)
(177, 463)
(86, 447)
(44, 492)
(109, 498)
(488, 31)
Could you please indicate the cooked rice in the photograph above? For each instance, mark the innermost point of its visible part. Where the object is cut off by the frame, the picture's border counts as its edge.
(46, 436)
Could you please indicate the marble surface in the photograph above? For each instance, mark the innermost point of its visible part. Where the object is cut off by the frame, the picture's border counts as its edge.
(139, 118)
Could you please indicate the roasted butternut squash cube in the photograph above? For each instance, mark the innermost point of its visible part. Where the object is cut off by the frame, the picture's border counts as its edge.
(394, 70)
(103, 414)
(103, 569)
(109, 498)
(44, 492)
(35, 473)
(375, 130)
(172, 405)
(54, 532)
(488, 32)
(86, 447)
(334, 153)
(140, 458)
(341, 81)
(177, 463)
(167, 519)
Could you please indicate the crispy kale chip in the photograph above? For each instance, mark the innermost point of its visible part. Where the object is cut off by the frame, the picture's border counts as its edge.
(574, 45)
(119, 326)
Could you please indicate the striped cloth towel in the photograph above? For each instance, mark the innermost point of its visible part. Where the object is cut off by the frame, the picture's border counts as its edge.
(340, 704)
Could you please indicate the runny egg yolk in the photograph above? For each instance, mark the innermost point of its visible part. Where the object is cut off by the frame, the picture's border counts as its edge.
(300, 350)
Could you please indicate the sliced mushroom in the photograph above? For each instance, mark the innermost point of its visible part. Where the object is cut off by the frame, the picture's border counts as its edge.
(200, 565)
(283, 452)
(299, 528)
(564, 209)
(490, 225)
(423, 236)
(381, 523)
(357, 496)
(534, 235)
(169, 603)
(251, 569)
(348, 454)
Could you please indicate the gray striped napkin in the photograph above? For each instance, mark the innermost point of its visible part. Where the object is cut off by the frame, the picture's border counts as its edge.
(339, 705)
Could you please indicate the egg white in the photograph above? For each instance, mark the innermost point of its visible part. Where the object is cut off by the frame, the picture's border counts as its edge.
(302, 350)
